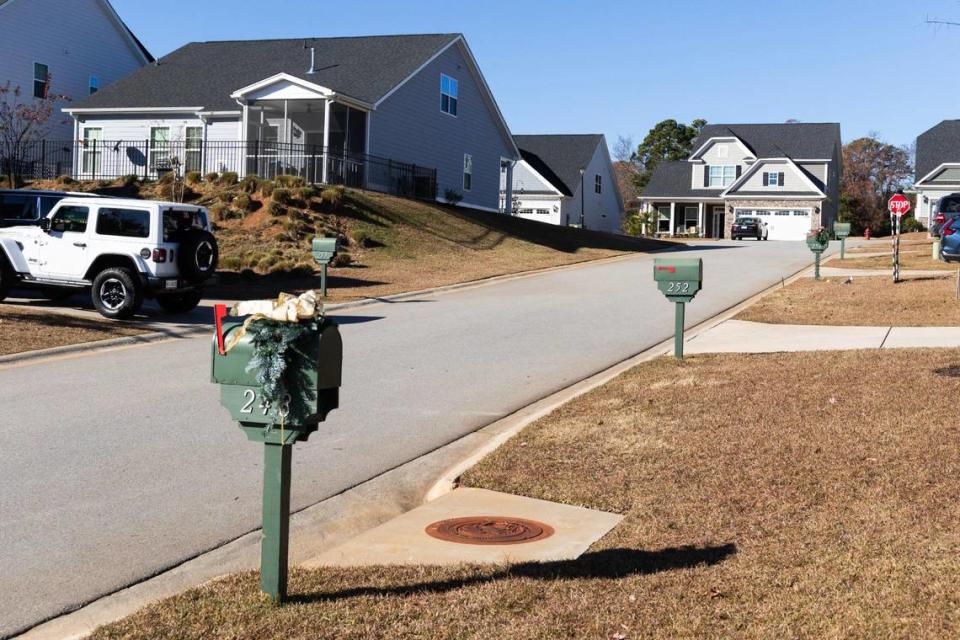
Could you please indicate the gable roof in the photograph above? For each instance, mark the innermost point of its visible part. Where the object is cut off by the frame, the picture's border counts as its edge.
(365, 68)
(937, 145)
(673, 179)
(735, 189)
(147, 56)
(797, 140)
(559, 157)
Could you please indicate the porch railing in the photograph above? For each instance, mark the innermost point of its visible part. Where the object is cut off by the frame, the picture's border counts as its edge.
(112, 159)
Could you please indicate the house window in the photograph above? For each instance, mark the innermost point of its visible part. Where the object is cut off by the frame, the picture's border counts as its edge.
(467, 172)
(92, 149)
(663, 218)
(773, 178)
(597, 184)
(691, 218)
(159, 146)
(449, 99)
(722, 175)
(94, 84)
(41, 80)
(193, 148)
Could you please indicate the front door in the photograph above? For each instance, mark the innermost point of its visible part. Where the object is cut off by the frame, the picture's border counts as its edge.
(718, 218)
(63, 252)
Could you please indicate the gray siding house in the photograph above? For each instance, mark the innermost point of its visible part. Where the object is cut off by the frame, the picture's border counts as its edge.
(937, 167)
(788, 175)
(65, 47)
(564, 179)
(408, 114)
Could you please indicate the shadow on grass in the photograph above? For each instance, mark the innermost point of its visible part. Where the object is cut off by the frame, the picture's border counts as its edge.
(610, 564)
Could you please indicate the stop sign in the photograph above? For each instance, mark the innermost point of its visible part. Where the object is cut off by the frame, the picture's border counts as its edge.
(898, 204)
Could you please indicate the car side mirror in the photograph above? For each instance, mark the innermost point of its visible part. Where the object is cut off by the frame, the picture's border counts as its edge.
(45, 224)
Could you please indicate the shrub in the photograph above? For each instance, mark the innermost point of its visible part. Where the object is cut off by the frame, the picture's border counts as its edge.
(304, 268)
(266, 263)
(230, 263)
(229, 178)
(361, 238)
(296, 214)
(218, 210)
(129, 180)
(167, 177)
(267, 187)
(452, 196)
(294, 230)
(192, 177)
(290, 181)
(283, 266)
(250, 184)
(332, 196)
(253, 259)
(909, 225)
(65, 180)
(242, 202)
(227, 196)
(306, 193)
(211, 177)
(276, 209)
(281, 195)
(341, 260)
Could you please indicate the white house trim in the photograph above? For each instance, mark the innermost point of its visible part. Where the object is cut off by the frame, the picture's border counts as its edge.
(940, 168)
(728, 192)
(695, 156)
(551, 188)
(133, 110)
(322, 92)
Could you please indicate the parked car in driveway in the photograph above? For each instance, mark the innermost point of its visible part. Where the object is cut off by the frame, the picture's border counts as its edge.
(121, 250)
(20, 207)
(950, 240)
(748, 228)
(947, 209)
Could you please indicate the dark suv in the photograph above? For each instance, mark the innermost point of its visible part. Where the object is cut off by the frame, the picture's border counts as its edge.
(19, 207)
(748, 228)
(947, 209)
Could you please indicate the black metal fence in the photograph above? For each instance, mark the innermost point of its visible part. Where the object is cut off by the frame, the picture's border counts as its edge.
(108, 160)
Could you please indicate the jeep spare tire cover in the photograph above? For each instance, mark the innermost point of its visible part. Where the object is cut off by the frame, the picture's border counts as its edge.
(198, 255)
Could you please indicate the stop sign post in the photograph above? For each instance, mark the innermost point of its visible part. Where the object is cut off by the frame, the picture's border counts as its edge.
(898, 205)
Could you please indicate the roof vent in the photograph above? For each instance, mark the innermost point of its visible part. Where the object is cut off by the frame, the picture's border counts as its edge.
(313, 59)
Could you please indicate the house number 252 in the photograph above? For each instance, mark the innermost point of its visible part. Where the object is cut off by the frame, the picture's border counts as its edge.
(678, 287)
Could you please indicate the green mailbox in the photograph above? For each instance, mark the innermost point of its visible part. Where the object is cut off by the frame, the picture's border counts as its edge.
(679, 279)
(308, 357)
(324, 250)
(842, 231)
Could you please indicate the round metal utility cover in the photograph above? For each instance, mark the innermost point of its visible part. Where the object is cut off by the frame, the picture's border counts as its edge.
(489, 530)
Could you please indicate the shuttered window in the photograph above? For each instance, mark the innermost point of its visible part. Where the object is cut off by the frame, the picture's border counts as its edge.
(721, 175)
(773, 178)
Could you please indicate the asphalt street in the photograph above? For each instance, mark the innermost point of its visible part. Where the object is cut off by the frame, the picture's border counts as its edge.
(119, 464)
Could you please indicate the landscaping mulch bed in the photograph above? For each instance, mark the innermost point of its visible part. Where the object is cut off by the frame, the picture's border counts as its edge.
(28, 330)
(766, 496)
(861, 301)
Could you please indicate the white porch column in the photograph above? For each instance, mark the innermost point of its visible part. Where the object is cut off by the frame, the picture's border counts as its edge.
(508, 189)
(701, 219)
(673, 218)
(244, 142)
(326, 138)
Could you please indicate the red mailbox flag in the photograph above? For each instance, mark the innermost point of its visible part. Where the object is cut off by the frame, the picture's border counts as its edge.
(898, 204)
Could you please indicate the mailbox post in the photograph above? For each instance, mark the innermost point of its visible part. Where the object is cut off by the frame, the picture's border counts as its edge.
(324, 250)
(312, 381)
(679, 279)
(818, 241)
(842, 231)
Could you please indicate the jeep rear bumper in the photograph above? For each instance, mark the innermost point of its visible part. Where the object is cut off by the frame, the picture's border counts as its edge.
(156, 285)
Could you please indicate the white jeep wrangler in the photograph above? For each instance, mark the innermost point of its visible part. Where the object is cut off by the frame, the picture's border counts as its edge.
(122, 250)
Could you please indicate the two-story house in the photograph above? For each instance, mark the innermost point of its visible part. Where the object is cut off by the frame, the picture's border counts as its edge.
(404, 114)
(564, 179)
(788, 175)
(72, 48)
(937, 167)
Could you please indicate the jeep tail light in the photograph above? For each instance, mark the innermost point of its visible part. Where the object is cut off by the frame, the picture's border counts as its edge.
(159, 255)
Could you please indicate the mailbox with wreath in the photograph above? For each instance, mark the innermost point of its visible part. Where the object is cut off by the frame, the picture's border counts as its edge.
(679, 279)
(278, 364)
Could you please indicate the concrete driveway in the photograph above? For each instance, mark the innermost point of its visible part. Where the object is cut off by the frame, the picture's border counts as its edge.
(120, 464)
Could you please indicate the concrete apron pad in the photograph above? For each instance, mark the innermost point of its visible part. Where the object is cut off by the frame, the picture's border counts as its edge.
(404, 540)
(741, 336)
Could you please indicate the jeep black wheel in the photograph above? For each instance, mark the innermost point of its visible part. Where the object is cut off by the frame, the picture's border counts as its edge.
(198, 255)
(179, 302)
(116, 293)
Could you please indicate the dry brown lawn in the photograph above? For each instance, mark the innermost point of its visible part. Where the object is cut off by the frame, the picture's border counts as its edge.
(864, 301)
(27, 330)
(769, 496)
(908, 260)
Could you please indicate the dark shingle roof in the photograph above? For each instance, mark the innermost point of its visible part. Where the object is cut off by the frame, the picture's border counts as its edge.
(673, 179)
(797, 140)
(559, 158)
(204, 74)
(937, 145)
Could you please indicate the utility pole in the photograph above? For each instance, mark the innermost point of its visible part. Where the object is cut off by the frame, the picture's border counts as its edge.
(582, 211)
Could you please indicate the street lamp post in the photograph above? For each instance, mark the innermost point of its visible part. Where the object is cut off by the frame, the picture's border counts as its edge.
(582, 217)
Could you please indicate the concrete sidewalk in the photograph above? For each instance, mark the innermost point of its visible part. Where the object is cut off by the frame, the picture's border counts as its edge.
(739, 336)
(841, 272)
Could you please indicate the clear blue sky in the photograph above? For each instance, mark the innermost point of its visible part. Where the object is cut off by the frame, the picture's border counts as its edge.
(620, 67)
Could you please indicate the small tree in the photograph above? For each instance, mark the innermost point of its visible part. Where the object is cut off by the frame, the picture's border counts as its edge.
(22, 126)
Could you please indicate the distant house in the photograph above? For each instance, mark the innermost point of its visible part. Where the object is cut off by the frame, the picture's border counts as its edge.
(65, 47)
(408, 114)
(937, 167)
(557, 174)
(788, 175)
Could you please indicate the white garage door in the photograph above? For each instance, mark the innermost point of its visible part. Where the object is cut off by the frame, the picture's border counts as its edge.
(782, 224)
